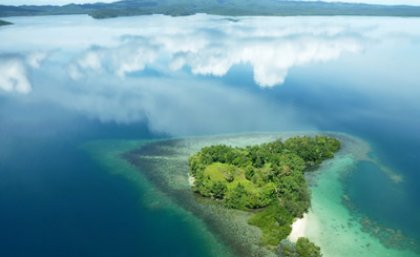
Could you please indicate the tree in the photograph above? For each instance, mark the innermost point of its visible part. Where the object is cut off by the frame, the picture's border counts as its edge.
(306, 248)
(302, 248)
(234, 197)
(218, 190)
(249, 172)
(287, 249)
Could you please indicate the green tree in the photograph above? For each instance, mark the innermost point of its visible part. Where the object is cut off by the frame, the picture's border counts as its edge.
(249, 172)
(235, 197)
(218, 190)
(306, 248)
(287, 249)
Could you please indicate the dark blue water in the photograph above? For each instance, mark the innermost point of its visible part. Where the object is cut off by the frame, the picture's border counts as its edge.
(56, 201)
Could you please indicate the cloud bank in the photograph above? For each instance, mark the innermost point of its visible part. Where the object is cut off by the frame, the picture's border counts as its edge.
(213, 52)
(155, 69)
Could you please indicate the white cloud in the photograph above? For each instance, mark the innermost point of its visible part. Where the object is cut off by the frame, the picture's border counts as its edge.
(14, 69)
(35, 59)
(98, 78)
(13, 76)
(122, 60)
(271, 50)
(270, 58)
(90, 60)
(131, 59)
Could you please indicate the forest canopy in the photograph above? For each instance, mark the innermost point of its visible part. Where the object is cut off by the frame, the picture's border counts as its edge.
(267, 180)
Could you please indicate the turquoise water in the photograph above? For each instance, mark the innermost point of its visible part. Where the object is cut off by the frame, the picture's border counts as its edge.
(338, 230)
(156, 76)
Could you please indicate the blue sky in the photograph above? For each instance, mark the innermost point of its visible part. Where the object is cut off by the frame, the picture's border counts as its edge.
(61, 2)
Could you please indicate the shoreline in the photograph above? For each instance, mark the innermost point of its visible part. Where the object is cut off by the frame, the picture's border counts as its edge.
(313, 225)
(328, 220)
(334, 227)
(299, 227)
(240, 238)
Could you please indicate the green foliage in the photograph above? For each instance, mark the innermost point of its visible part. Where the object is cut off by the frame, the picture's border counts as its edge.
(275, 223)
(218, 189)
(287, 249)
(236, 197)
(313, 150)
(268, 178)
(302, 248)
(306, 248)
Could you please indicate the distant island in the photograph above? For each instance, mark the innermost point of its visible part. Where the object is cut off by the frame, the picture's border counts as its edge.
(216, 7)
(266, 180)
(3, 23)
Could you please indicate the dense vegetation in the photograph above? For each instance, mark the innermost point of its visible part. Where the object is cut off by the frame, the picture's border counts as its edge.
(267, 180)
(218, 7)
(302, 248)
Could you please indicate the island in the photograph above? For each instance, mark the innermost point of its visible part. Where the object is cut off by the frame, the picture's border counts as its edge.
(267, 180)
(160, 168)
(214, 7)
(3, 23)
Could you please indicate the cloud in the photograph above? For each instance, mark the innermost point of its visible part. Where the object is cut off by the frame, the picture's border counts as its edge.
(91, 61)
(14, 69)
(175, 106)
(35, 59)
(13, 76)
(271, 51)
(270, 60)
(122, 60)
(155, 68)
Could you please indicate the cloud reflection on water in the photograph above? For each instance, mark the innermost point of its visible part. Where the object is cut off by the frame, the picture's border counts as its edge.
(271, 49)
(154, 68)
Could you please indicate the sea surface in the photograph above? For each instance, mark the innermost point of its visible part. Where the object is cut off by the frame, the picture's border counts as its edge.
(67, 81)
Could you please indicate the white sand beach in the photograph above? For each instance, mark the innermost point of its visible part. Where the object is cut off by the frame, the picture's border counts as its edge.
(298, 228)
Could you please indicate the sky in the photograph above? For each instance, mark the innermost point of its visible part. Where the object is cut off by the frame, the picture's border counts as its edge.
(62, 2)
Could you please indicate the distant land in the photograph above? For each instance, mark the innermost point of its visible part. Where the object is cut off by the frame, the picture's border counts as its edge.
(2, 23)
(216, 7)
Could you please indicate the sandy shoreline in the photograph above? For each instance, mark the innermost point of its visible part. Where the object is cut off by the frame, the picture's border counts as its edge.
(298, 228)
(191, 180)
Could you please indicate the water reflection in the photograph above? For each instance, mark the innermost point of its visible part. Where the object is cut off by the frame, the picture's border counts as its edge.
(154, 68)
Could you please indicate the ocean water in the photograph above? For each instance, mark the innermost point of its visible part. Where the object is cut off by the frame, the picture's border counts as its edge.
(66, 81)
(338, 230)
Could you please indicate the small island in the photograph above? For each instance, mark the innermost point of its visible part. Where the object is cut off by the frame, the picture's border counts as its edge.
(266, 180)
(3, 23)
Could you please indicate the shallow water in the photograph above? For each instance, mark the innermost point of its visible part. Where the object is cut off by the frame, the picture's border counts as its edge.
(68, 80)
(331, 225)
